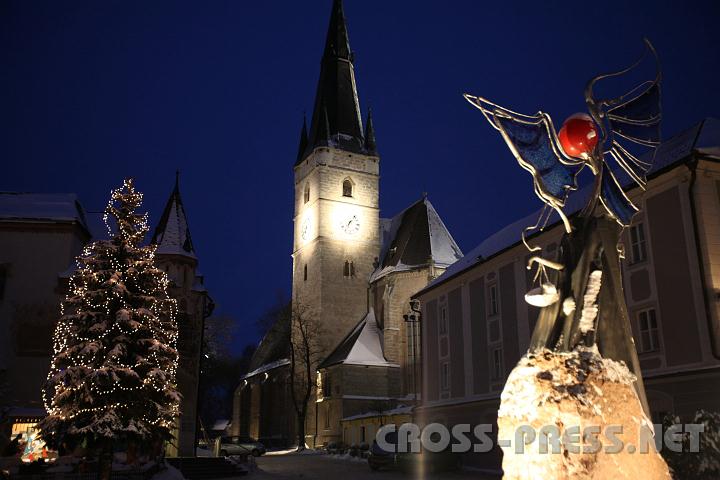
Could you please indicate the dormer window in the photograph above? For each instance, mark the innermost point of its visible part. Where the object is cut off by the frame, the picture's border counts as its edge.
(347, 188)
(307, 193)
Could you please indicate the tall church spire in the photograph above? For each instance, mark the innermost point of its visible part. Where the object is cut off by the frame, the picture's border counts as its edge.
(336, 94)
(172, 234)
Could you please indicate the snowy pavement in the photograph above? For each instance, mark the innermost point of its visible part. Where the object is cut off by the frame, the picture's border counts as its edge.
(325, 467)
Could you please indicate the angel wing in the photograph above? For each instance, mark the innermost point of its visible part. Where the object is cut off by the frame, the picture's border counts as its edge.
(631, 123)
(533, 141)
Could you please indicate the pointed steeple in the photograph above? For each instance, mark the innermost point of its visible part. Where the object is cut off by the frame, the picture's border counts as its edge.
(336, 96)
(370, 145)
(323, 131)
(172, 234)
(337, 42)
(303, 142)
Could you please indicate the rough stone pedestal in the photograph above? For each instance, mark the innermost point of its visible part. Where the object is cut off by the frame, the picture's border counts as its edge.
(552, 392)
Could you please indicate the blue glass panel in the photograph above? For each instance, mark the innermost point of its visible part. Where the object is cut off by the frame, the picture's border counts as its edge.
(615, 200)
(532, 142)
(643, 133)
(643, 108)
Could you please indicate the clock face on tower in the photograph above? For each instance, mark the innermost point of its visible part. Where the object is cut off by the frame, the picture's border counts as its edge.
(350, 225)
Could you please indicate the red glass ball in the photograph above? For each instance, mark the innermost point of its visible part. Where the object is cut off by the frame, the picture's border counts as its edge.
(578, 135)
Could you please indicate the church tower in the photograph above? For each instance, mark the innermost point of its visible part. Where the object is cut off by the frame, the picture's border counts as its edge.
(337, 234)
(175, 254)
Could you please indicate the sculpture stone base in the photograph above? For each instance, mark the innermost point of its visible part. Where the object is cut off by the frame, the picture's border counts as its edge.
(562, 410)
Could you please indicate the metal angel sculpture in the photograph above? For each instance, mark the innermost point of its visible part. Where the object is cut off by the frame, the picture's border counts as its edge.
(585, 306)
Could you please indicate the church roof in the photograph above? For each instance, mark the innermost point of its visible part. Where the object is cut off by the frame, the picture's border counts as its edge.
(42, 207)
(336, 115)
(274, 349)
(415, 238)
(172, 234)
(362, 346)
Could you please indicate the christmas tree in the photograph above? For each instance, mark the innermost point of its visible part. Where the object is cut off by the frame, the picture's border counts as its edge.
(112, 378)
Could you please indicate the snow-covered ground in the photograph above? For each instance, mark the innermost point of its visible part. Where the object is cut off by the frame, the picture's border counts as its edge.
(293, 451)
(347, 457)
(170, 473)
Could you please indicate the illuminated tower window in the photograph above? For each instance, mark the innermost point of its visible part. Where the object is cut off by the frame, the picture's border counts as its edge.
(347, 188)
(349, 269)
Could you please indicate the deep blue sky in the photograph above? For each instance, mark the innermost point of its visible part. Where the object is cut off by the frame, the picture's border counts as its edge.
(93, 91)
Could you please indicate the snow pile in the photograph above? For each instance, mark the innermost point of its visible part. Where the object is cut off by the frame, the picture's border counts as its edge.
(169, 473)
(349, 458)
(590, 308)
(552, 393)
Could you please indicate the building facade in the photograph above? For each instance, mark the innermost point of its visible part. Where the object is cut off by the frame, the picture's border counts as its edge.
(353, 272)
(375, 370)
(476, 324)
(40, 236)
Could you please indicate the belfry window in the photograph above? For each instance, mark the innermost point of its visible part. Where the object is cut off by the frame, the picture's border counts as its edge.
(349, 269)
(347, 188)
(307, 193)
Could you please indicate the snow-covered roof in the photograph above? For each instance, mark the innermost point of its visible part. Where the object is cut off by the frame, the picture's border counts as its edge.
(220, 424)
(399, 410)
(703, 138)
(414, 238)
(362, 346)
(172, 235)
(42, 207)
(267, 367)
(274, 348)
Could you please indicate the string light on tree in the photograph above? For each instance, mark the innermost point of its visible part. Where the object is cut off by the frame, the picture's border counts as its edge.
(112, 376)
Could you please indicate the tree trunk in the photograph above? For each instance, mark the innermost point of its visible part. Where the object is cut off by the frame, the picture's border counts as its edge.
(105, 460)
(301, 432)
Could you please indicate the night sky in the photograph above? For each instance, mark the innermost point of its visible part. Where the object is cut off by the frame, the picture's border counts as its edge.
(91, 92)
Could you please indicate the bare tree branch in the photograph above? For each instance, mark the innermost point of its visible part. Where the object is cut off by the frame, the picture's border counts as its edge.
(305, 355)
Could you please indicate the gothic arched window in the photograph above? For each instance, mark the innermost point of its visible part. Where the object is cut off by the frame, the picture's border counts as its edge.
(307, 193)
(347, 188)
